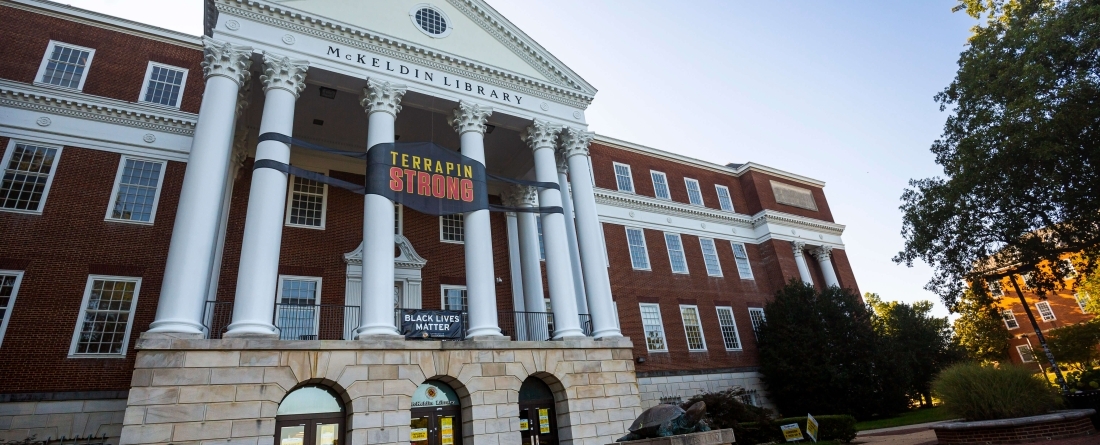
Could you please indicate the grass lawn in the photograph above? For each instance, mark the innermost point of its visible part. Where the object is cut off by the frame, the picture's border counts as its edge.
(914, 417)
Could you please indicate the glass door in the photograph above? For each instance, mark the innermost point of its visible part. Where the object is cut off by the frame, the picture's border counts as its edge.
(435, 426)
(309, 431)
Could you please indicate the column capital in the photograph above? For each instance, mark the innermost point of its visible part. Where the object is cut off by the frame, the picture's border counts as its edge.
(540, 134)
(284, 73)
(244, 97)
(563, 164)
(382, 96)
(822, 253)
(798, 247)
(575, 142)
(469, 117)
(226, 59)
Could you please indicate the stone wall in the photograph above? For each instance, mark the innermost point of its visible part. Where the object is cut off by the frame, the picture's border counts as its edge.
(206, 391)
(685, 386)
(1057, 425)
(53, 419)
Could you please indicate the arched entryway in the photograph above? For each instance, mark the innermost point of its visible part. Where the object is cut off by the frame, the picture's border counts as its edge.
(310, 415)
(537, 422)
(436, 415)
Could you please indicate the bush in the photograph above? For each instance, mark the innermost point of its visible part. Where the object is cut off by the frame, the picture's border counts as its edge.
(841, 428)
(977, 392)
(1086, 380)
(750, 424)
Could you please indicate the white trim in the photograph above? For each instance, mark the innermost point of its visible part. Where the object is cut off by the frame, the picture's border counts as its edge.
(733, 320)
(717, 261)
(443, 296)
(46, 61)
(661, 322)
(290, 202)
(758, 310)
(645, 249)
(118, 182)
(148, 77)
(699, 317)
(1030, 353)
(49, 180)
(1081, 302)
(652, 177)
(718, 189)
(698, 188)
(84, 312)
(1006, 315)
(668, 248)
(11, 301)
(316, 299)
(399, 211)
(442, 240)
(737, 262)
(1039, 305)
(447, 19)
(629, 174)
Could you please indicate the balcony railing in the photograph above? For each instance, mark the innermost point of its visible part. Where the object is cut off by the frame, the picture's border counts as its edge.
(535, 326)
(315, 321)
(217, 318)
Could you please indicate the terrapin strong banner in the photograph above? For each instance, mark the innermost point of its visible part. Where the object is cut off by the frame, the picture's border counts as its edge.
(427, 178)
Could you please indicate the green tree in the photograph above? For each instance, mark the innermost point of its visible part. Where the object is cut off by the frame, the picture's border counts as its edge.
(1075, 345)
(980, 330)
(920, 342)
(820, 354)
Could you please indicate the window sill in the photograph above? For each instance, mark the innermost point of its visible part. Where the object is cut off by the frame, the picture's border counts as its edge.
(58, 87)
(157, 105)
(25, 212)
(303, 226)
(452, 242)
(95, 356)
(129, 221)
(735, 350)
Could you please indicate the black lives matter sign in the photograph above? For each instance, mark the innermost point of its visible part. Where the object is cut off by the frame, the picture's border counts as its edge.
(419, 324)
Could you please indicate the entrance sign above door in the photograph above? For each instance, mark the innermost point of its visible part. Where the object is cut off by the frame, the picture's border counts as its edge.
(434, 394)
(418, 324)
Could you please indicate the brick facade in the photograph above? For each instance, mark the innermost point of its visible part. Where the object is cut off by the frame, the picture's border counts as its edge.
(1011, 431)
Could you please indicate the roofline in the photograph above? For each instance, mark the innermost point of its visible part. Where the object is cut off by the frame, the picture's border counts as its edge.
(630, 146)
(106, 21)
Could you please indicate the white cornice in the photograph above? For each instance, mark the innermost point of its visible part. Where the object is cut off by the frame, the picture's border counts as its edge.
(334, 31)
(787, 219)
(105, 21)
(85, 106)
(638, 148)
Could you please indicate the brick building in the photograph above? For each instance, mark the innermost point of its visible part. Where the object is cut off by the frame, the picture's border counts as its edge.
(1063, 307)
(159, 283)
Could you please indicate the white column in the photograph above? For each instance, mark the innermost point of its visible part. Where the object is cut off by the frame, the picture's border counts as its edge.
(541, 137)
(195, 231)
(481, 292)
(511, 222)
(800, 261)
(574, 147)
(824, 259)
(236, 160)
(531, 265)
(382, 102)
(258, 274)
(571, 235)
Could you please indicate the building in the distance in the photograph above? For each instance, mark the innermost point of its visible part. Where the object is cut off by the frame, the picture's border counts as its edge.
(173, 271)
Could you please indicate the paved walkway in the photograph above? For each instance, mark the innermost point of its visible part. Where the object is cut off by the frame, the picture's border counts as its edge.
(922, 434)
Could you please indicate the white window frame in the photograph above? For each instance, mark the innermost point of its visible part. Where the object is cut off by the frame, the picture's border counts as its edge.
(660, 319)
(1081, 302)
(1027, 355)
(717, 261)
(84, 312)
(443, 296)
(755, 326)
(733, 324)
(399, 217)
(10, 150)
(653, 174)
(317, 299)
(996, 289)
(118, 184)
(444, 240)
(729, 198)
(671, 262)
(698, 187)
(11, 301)
(148, 77)
(737, 261)
(46, 61)
(645, 249)
(702, 337)
(629, 175)
(1007, 315)
(290, 203)
(1039, 305)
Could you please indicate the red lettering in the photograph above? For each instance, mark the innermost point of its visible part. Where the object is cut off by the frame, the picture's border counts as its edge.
(423, 184)
(452, 188)
(439, 188)
(410, 179)
(395, 179)
(467, 190)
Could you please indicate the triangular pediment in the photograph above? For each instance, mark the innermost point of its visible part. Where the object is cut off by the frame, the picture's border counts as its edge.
(476, 33)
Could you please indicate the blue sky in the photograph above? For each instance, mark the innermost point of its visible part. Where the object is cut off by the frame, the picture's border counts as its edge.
(839, 91)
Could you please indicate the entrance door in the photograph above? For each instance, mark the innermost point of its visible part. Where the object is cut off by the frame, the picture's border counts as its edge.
(537, 422)
(310, 415)
(436, 415)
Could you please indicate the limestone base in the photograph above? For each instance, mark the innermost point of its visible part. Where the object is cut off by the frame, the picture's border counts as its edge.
(712, 437)
(53, 419)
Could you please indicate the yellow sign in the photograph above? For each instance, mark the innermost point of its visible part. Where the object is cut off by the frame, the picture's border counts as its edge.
(544, 420)
(811, 427)
(446, 432)
(418, 434)
(523, 425)
(792, 432)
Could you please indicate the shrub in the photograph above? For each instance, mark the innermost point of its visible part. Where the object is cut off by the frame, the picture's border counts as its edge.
(750, 424)
(1086, 380)
(841, 428)
(977, 392)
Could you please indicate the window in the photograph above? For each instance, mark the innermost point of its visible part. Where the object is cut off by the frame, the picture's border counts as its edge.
(1082, 302)
(693, 328)
(136, 191)
(741, 256)
(1026, 354)
(724, 200)
(298, 315)
(1044, 310)
(653, 327)
(1010, 319)
(454, 298)
(710, 257)
(451, 229)
(695, 195)
(748, 398)
(660, 185)
(163, 85)
(430, 21)
(676, 253)
(9, 289)
(623, 178)
(1068, 269)
(307, 201)
(28, 174)
(729, 328)
(756, 316)
(398, 218)
(542, 245)
(103, 327)
(639, 256)
(65, 65)
(995, 289)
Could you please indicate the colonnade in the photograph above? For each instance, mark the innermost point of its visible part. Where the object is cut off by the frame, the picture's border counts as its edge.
(823, 255)
(576, 272)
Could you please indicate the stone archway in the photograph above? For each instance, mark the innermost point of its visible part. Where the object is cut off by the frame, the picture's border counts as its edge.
(310, 415)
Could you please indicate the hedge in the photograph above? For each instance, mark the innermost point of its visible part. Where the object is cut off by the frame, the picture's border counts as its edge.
(841, 427)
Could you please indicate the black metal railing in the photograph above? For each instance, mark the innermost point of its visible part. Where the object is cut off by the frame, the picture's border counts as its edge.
(217, 317)
(315, 321)
(535, 326)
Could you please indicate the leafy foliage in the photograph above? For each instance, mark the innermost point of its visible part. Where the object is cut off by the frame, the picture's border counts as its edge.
(980, 330)
(919, 342)
(819, 353)
(1075, 345)
(978, 392)
(1084, 380)
(1020, 153)
(750, 424)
